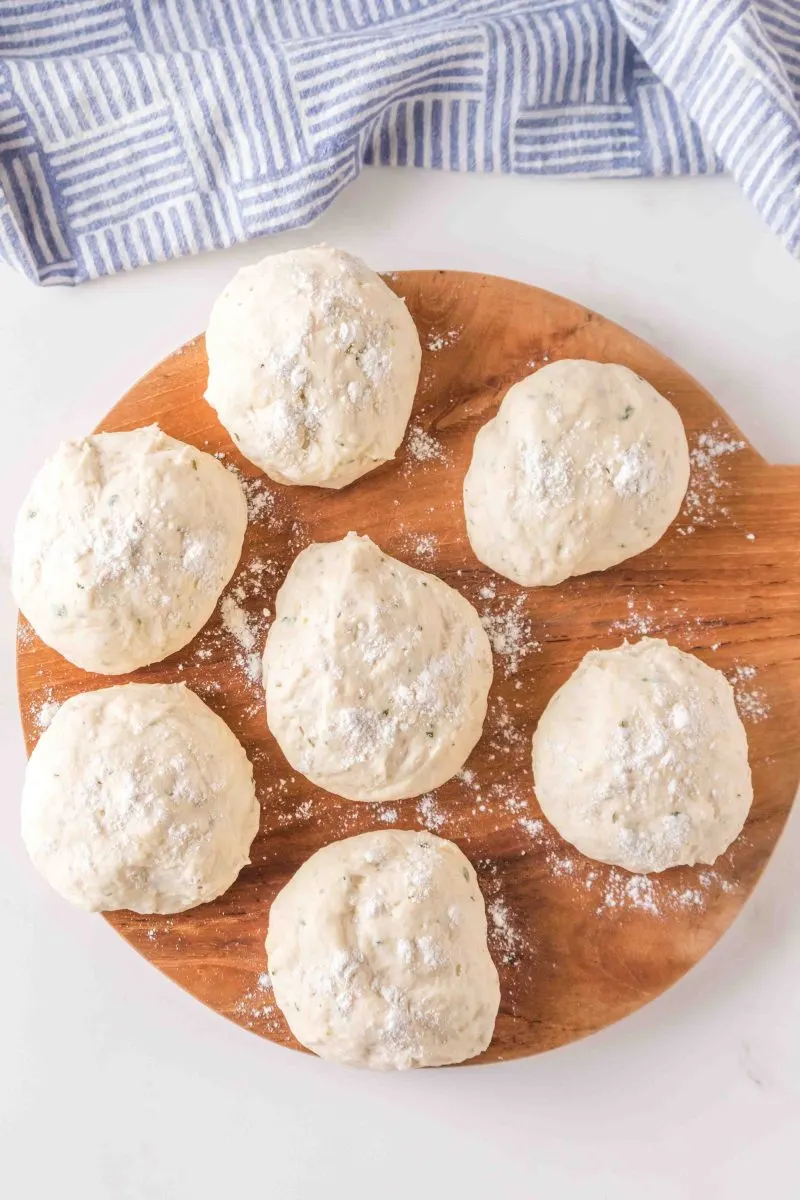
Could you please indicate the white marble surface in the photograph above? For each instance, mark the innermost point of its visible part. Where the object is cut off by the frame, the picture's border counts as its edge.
(116, 1086)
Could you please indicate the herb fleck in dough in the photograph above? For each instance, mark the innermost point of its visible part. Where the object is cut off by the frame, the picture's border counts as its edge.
(376, 674)
(377, 953)
(584, 465)
(139, 797)
(313, 366)
(123, 547)
(640, 759)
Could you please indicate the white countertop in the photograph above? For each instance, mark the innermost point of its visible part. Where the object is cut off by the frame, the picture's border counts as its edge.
(114, 1085)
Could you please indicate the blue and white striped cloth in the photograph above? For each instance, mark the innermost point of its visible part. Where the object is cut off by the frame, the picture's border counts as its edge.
(139, 130)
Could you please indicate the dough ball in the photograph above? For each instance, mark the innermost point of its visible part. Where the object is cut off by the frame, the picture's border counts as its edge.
(584, 465)
(377, 953)
(640, 759)
(139, 797)
(313, 365)
(376, 674)
(123, 546)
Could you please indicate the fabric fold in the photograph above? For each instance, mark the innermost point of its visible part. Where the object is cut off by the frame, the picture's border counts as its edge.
(133, 131)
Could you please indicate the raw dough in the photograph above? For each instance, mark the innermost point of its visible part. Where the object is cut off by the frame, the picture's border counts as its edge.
(640, 759)
(376, 674)
(123, 546)
(584, 465)
(139, 797)
(313, 365)
(377, 953)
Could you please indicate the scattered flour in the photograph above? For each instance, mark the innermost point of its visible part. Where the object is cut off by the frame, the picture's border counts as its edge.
(262, 505)
(424, 448)
(162, 930)
(505, 732)
(244, 629)
(751, 701)
(254, 1013)
(503, 933)
(506, 942)
(629, 891)
(429, 812)
(301, 812)
(46, 710)
(440, 341)
(260, 499)
(510, 632)
(236, 622)
(24, 633)
(610, 889)
(423, 546)
(640, 618)
(655, 895)
(643, 619)
(708, 480)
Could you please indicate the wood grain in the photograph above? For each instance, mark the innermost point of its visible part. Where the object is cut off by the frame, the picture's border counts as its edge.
(575, 949)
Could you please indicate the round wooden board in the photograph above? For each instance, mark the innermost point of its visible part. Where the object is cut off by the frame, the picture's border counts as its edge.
(578, 945)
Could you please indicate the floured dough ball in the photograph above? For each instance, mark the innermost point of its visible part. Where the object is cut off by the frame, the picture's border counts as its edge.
(139, 797)
(584, 465)
(640, 759)
(313, 365)
(123, 546)
(376, 674)
(377, 953)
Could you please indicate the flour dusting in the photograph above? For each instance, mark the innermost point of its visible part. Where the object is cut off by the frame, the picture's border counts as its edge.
(708, 479)
(236, 622)
(46, 713)
(509, 629)
(429, 813)
(423, 547)
(506, 941)
(424, 448)
(43, 711)
(751, 701)
(441, 341)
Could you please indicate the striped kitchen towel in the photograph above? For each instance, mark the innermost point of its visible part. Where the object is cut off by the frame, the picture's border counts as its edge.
(139, 130)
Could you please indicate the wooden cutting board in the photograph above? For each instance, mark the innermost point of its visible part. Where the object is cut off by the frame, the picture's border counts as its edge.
(578, 944)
